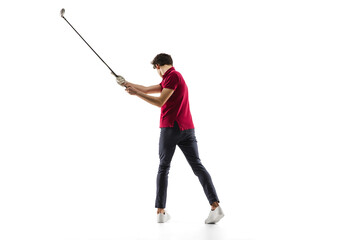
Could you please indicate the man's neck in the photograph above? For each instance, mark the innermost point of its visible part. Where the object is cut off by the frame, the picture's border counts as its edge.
(164, 68)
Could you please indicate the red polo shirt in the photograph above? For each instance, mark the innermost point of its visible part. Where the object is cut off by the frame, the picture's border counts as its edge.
(177, 106)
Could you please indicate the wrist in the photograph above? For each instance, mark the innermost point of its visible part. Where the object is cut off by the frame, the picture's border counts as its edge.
(139, 93)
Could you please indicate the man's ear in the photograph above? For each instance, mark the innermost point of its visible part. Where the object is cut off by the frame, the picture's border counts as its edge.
(157, 66)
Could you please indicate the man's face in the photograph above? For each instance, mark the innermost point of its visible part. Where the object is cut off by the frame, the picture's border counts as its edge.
(158, 70)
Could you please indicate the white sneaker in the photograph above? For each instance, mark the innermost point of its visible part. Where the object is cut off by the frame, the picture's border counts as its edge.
(163, 217)
(215, 216)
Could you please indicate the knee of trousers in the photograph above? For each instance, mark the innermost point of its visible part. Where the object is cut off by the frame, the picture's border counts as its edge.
(198, 169)
(164, 168)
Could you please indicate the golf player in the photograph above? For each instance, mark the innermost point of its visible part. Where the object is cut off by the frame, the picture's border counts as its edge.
(177, 129)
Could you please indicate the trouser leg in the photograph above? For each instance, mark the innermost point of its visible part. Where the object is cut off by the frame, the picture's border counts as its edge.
(167, 146)
(190, 149)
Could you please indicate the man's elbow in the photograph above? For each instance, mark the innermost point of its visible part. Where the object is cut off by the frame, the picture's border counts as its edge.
(160, 103)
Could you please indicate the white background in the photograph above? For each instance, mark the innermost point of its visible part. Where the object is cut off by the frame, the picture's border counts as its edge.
(79, 156)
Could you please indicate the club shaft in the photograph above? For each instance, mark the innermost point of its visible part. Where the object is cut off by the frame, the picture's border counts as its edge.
(90, 47)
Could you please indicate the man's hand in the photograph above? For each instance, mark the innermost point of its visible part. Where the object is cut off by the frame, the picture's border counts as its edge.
(131, 90)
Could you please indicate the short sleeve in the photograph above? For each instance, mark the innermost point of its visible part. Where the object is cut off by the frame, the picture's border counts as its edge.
(170, 82)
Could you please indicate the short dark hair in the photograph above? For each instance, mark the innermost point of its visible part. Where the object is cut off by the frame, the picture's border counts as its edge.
(162, 59)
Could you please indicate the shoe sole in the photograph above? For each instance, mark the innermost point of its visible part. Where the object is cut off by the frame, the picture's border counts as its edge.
(160, 220)
(218, 219)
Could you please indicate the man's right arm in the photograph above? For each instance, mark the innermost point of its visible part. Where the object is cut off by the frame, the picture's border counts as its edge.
(146, 90)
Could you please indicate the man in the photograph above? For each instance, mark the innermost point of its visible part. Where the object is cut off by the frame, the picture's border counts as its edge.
(177, 128)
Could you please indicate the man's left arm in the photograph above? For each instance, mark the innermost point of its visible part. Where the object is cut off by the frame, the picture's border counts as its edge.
(157, 101)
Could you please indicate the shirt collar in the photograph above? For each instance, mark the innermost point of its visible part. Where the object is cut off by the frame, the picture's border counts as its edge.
(168, 72)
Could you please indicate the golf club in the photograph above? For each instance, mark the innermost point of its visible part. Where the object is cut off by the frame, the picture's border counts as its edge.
(62, 15)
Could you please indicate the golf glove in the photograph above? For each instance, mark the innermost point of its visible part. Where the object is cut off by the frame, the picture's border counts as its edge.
(120, 80)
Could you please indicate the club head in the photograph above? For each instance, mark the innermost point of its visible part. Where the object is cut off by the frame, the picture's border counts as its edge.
(62, 12)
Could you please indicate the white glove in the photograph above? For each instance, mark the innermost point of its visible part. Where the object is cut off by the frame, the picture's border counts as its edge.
(121, 81)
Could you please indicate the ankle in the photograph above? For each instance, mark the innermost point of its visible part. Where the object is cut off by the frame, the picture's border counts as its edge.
(214, 205)
(160, 210)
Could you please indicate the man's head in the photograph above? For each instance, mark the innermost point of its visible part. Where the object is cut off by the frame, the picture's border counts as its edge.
(162, 62)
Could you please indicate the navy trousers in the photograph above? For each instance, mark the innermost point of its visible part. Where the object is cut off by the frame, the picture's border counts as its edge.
(186, 141)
